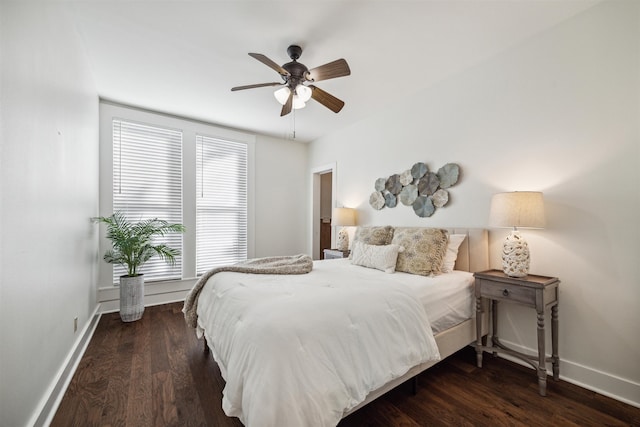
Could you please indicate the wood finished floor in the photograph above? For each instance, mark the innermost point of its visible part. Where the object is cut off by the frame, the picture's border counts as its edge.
(154, 373)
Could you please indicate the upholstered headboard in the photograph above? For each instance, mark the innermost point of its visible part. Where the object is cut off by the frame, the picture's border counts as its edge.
(473, 254)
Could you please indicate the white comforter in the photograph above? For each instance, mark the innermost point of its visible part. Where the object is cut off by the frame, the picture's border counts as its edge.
(301, 350)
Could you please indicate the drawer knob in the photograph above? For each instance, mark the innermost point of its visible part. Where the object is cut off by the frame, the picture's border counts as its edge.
(505, 292)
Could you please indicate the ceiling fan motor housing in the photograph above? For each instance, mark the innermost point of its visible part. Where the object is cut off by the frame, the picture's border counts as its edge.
(299, 73)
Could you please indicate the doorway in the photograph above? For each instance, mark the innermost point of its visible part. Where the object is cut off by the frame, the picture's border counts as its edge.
(323, 200)
(326, 180)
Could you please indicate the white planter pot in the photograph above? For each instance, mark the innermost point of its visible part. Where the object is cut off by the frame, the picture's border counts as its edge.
(131, 298)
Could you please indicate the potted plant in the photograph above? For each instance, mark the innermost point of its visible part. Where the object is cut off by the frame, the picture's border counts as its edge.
(133, 246)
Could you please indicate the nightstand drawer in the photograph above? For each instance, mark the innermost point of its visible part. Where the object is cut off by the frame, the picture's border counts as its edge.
(507, 292)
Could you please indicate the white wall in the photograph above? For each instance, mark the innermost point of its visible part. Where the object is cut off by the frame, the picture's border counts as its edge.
(49, 187)
(281, 197)
(559, 114)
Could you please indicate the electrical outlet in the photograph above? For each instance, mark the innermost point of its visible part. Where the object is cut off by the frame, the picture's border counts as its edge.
(75, 324)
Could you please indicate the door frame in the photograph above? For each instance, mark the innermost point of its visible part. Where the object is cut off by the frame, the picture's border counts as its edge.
(314, 250)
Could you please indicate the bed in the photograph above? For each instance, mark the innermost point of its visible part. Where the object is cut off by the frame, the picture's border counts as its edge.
(310, 349)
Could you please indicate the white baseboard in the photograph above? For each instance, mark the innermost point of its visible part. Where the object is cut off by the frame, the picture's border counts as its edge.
(586, 377)
(46, 409)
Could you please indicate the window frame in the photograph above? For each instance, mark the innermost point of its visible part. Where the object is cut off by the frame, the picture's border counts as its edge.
(240, 163)
(190, 128)
(155, 263)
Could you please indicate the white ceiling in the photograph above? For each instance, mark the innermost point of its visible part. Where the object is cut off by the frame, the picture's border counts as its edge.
(183, 57)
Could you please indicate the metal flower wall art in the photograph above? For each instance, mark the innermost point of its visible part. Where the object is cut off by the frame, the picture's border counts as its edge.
(417, 187)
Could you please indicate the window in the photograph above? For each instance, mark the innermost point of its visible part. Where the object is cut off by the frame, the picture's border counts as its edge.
(147, 183)
(221, 202)
(184, 171)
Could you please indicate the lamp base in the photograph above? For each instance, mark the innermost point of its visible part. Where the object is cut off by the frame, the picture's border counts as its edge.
(343, 239)
(515, 255)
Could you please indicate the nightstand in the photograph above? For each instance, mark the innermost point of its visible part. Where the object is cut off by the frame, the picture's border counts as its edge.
(336, 253)
(538, 292)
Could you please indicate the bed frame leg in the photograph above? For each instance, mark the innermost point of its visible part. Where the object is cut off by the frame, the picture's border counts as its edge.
(414, 385)
(206, 346)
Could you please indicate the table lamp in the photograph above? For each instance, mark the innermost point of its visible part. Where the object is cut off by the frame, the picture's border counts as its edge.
(518, 209)
(343, 217)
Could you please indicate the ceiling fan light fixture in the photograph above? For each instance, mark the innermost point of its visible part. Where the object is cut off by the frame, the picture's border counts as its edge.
(282, 95)
(298, 103)
(303, 92)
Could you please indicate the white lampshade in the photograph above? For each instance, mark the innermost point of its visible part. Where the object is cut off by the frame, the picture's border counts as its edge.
(524, 209)
(519, 209)
(282, 95)
(343, 217)
(303, 92)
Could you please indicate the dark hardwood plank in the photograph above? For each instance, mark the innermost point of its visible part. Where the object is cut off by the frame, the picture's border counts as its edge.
(154, 372)
(139, 404)
(165, 412)
(188, 404)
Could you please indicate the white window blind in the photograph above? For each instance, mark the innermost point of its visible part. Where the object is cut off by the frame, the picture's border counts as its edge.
(221, 206)
(147, 183)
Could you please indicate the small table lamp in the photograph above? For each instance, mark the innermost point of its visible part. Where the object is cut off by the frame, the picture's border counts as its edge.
(524, 209)
(343, 217)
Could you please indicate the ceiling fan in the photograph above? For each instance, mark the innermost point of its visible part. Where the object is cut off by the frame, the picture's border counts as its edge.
(295, 92)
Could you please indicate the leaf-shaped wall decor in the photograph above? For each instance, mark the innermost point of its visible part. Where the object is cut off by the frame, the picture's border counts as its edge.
(408, 195)
(406, 178)
(418, 170)
(440, 198)
(393, 185)
(428, 184)
(448, 175)
(423, 190)
(376, 200)
(390, 200)
(423, 206)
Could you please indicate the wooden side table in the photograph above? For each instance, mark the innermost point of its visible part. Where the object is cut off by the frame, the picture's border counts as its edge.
(336, 253)
(533, 291)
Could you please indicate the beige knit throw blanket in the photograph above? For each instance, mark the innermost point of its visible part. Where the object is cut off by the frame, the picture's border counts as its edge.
(296, 264)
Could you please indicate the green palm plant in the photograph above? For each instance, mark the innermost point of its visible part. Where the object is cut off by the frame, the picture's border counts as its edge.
(133, 241)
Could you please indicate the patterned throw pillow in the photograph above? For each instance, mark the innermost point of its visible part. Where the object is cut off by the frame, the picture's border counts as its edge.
(380, 257)
(424, 249)
(374, 235)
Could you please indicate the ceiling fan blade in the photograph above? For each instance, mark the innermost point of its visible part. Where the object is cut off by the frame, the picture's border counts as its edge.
(337, 68)
(286, 108)
(233, 89)
(269, 63)
(326, 99)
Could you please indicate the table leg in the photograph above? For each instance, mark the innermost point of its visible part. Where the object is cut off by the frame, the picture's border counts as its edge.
(542, 369)
(479, 332)
(554, 342)
(494, 325)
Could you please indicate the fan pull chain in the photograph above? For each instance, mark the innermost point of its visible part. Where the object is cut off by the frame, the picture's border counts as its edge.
(294, 124)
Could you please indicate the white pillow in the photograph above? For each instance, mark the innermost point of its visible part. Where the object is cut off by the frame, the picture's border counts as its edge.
(451, 254)
(380, 257)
